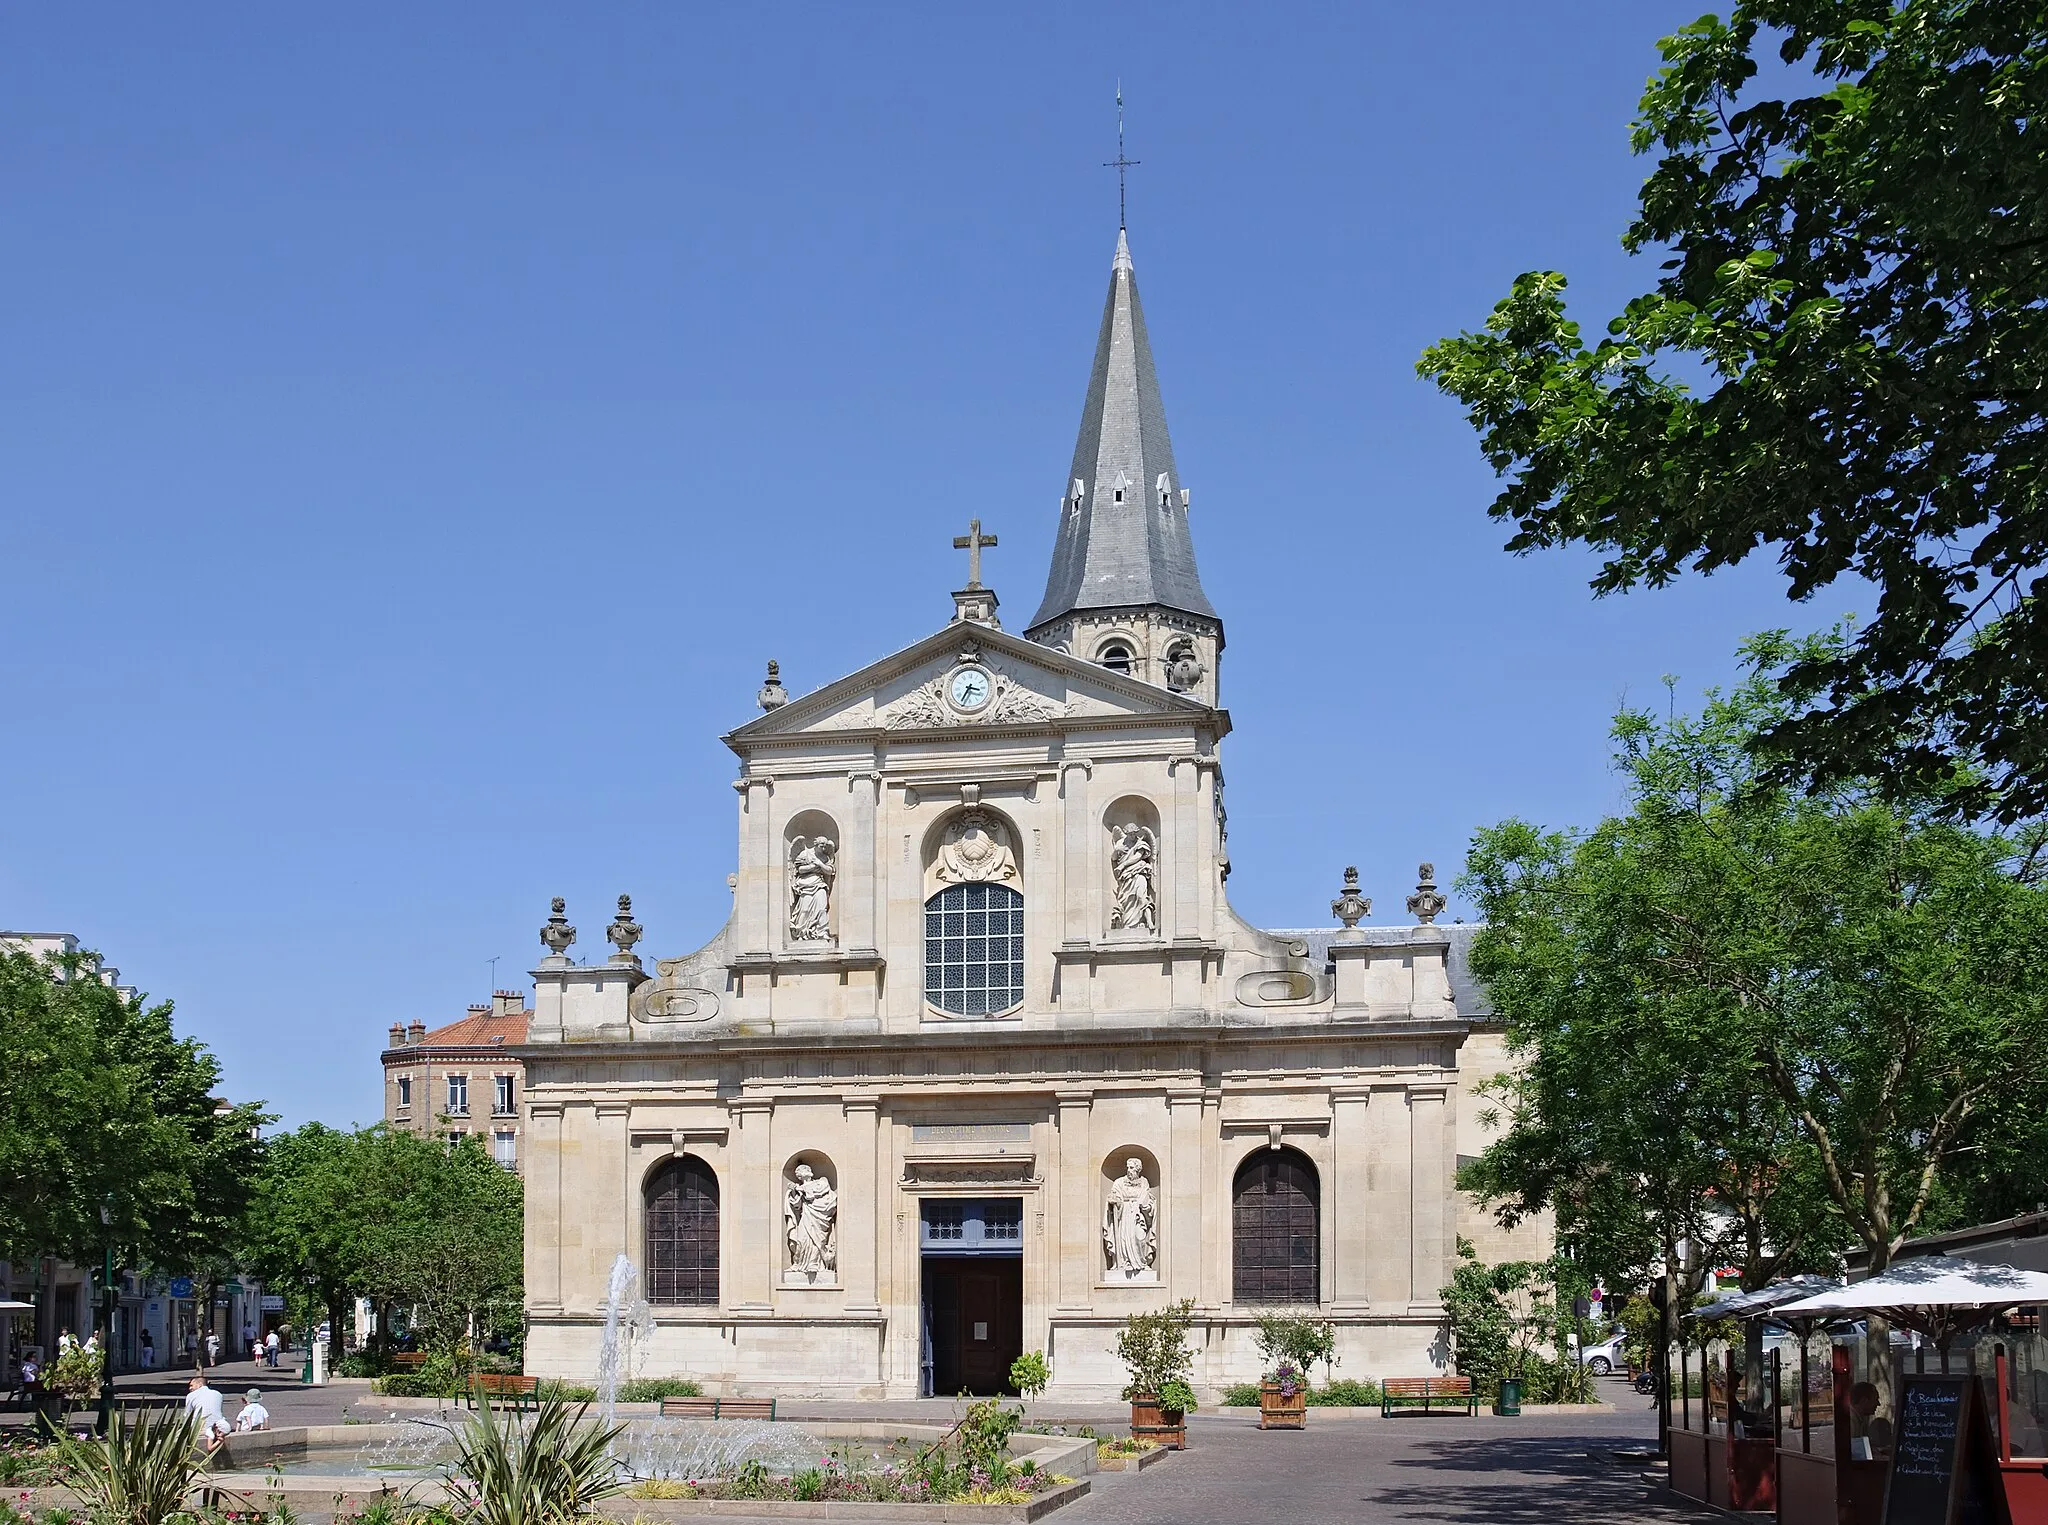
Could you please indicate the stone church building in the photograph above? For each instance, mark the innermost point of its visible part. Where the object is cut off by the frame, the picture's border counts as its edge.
(983, 1060)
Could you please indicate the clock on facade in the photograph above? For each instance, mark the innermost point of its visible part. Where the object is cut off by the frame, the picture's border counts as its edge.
(969, 689)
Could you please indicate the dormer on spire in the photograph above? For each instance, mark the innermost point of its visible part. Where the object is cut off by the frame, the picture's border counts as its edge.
(1123, 586)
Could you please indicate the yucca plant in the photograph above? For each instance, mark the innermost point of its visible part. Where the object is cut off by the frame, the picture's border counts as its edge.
(553, 1469)
(140, 1472)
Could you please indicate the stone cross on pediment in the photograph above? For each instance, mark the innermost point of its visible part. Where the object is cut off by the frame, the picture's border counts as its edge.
(972, 543)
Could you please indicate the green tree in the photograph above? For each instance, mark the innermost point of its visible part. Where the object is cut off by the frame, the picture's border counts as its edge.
(111, 1134)
(1798, 1009)
(388, 1215)
(1842, 364)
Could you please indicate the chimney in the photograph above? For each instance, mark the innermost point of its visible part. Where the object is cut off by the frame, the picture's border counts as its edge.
(508, 1003)
(398, 1035)
(416, 1034)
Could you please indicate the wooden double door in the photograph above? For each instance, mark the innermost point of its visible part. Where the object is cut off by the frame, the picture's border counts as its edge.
(974, 1322)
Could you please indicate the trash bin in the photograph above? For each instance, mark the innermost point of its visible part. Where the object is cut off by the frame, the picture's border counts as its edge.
(1509, 1400)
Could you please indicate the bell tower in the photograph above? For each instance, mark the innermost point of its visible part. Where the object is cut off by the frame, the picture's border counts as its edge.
(1123, 590)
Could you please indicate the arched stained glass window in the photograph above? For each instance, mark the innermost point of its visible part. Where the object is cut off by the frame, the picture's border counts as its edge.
(974, 949)
(682, 1233)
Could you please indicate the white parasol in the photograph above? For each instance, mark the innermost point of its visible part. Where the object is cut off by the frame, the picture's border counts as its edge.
(1939, 1295)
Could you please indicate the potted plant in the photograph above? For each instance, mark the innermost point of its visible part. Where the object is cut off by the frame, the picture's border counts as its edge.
(1290, 1344)
(1154, 1350)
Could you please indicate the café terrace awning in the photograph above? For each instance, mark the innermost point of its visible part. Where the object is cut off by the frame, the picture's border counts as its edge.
(1763, 1300)
(1938, 1295)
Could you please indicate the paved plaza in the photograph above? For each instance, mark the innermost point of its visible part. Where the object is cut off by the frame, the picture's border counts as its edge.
(1541, 1469)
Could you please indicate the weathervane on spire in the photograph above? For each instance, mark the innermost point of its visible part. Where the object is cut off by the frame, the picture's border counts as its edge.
(1120, 163)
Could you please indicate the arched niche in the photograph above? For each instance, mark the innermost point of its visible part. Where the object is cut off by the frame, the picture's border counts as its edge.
(1132, 1218)
(1276, 1241)
(1135, 895)
(679, 1233)
(810, 874)
(810, 1220)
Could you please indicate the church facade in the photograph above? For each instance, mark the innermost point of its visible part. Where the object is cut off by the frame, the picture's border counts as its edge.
(983, 1061)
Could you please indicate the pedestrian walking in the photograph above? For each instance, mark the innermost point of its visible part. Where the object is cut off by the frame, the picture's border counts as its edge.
(270, 1350)
(148, 1344)
(212, 1348)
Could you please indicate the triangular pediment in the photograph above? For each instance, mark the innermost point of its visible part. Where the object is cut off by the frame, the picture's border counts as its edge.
(1015, 682)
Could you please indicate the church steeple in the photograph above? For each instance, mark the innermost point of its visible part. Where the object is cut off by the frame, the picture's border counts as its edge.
(1124, 555)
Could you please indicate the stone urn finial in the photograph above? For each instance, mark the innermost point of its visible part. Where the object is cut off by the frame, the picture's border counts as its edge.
(773, 695)
(558, 934)
(1351, 907)
(624, 930)
(1425, 905)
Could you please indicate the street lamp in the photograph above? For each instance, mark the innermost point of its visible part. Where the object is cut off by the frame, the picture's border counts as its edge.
(106, 1318)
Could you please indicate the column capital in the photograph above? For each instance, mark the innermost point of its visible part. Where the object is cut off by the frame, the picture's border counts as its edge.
(849, 1105)
(1072, 1099)
(1184, 1098)
(614, 1108)
(1354, 1095)
(741, 1106)
(1429, 1092)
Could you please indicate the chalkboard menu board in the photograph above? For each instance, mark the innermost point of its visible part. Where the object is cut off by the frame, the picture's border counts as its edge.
(1937, 1455)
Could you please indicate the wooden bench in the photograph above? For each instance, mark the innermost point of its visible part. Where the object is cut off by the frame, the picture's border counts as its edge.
(408, 1360)
(502, 1389)
(689, 1408)
(1446, 1393)
(718, 1408)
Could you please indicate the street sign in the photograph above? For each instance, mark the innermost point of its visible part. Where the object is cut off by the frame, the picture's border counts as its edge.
(273, 1302)
(181, 1286)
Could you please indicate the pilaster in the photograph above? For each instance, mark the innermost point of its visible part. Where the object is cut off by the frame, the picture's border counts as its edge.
(1181, 1192)
(755, 1255)
(544, 1206)
(1350, 1198)
(861, 1219)
(610, 1160)
(1384, 1210)
(1077, 1238)
(1429, 1229)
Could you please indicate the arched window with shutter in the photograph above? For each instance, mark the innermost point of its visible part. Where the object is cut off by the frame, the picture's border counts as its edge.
(1276, 1207)
(682, 1233)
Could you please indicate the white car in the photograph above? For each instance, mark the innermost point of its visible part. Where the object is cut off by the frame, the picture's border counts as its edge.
(1606, 1357)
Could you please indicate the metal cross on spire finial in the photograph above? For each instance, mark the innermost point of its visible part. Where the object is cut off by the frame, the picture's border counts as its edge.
(971, 543)
(1120, 163)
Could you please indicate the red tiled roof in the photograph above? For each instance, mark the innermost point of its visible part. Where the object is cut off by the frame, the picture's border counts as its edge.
(480, 1029)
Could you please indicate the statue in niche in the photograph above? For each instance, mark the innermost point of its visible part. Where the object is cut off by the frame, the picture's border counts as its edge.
(812, 868)
(1130, 1225)
(1134, 863)
(810, 1215)
(975, 851)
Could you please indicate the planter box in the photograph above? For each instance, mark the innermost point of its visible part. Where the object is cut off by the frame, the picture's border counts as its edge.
(1278, 1413)
(1136, 1463)
(629, 1510)
(1169, 1427)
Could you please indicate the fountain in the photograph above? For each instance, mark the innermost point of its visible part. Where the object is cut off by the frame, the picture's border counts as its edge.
(624, 1275)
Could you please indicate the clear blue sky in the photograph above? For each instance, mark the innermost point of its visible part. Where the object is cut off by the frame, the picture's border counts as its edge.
(419, 424)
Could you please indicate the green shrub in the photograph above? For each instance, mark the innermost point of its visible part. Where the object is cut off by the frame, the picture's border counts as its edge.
(1154, 1348)
(1348, 1393)
(1029, 1374)
(1241, 1395)
(654, 1389)
(551, 1470)
(418, 1384)
(565, 1392)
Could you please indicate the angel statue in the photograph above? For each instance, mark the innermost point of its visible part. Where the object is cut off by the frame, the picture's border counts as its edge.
(812, 868)
(1133, 862)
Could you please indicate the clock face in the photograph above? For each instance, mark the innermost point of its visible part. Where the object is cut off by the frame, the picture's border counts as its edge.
(969, 689)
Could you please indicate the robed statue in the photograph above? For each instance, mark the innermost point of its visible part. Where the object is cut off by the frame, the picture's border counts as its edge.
(810, 1212)
(1130, 1224)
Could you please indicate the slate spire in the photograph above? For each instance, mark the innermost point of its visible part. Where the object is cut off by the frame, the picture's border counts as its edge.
(1123, 538)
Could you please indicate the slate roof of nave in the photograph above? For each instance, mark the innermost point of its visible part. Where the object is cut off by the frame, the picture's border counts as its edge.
(1466, 990)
